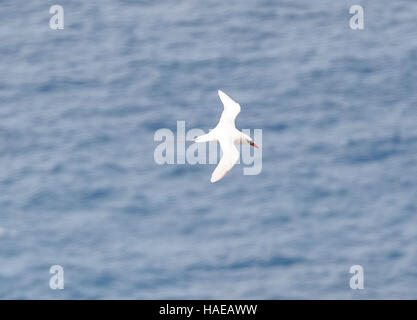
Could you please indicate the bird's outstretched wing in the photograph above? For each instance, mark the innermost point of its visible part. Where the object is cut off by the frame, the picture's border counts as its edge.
(228, 160)
(231, 109)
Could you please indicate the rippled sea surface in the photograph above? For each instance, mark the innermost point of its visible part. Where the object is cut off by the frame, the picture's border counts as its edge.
(79, 186)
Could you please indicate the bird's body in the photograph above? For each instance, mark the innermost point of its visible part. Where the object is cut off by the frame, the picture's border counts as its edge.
(228, 136)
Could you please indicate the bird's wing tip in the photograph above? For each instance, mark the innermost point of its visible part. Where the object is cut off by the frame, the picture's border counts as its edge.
(215, 177)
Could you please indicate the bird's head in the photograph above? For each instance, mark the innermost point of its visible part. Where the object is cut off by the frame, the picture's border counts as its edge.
(249, 141)
(245, 139)
(253, 144)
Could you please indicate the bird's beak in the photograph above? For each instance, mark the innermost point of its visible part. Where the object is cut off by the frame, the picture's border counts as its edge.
(253, 145)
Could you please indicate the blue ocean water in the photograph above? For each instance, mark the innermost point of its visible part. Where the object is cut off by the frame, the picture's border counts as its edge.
(79, 186)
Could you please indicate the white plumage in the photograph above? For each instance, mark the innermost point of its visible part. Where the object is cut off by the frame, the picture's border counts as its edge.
(227, 135)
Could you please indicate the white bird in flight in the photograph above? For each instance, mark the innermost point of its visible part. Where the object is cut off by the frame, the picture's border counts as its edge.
(227, 135)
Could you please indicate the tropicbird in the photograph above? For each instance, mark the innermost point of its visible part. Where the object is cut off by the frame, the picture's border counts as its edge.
(227, 135)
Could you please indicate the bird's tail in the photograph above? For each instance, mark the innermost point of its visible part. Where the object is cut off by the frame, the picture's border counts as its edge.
(205, 138)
